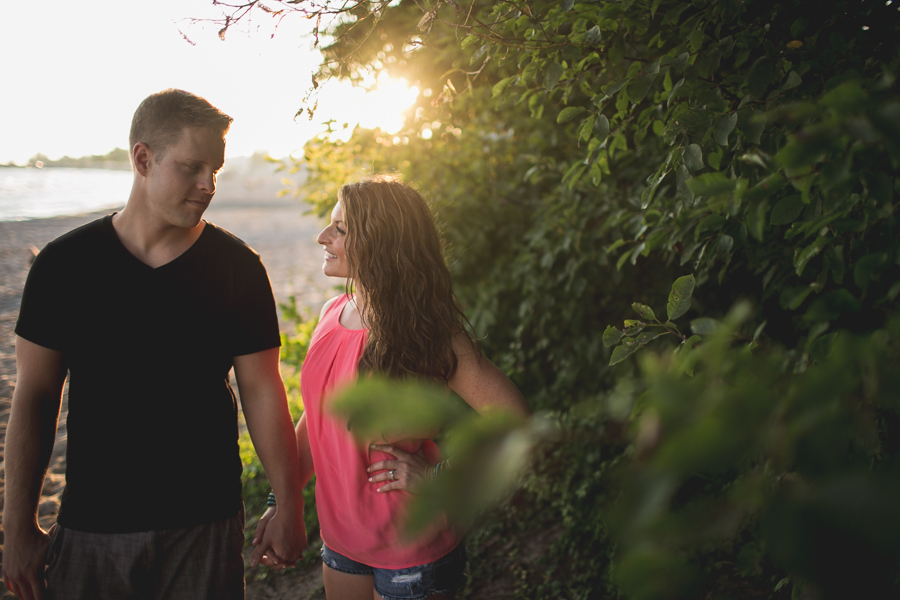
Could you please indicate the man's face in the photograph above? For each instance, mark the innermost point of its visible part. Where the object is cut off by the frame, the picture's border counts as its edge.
(181, 184)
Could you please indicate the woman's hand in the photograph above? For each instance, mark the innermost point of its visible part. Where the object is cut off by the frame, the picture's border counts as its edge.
(273, 561)
(406, 472)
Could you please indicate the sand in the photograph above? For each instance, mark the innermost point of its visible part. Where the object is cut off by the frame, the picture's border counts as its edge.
(277, 228)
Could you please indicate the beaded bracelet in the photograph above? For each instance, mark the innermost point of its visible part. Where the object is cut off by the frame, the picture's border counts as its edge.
(438, 468)
(271, 500)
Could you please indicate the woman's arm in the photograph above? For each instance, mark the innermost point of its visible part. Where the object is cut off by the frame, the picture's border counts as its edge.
(481, 384)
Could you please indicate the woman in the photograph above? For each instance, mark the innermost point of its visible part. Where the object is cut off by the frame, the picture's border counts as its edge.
(401, 321)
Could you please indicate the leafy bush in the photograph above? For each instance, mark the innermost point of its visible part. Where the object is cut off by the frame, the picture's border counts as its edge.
(747, 471)
(584, 155)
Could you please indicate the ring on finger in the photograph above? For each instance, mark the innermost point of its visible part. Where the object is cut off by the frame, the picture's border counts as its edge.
(391, 473)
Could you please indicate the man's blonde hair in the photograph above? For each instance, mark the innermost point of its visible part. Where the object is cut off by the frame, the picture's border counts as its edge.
(161, 118)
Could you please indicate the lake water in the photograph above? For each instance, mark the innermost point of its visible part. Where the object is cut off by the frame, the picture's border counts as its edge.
(50, 192)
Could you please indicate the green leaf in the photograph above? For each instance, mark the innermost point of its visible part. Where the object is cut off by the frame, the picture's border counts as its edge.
(567, 5)
(569, 113)
(675, 87)
(631, 345)
(612, 88)
(709, 223)
(652, 183)
(690, 343)
(696, 39)
(787, 210)
(593, 36)
(615, 245)
(761, 75)
(791, 298)
(601, 128)
(724, 126)
(766, 187)
(696, 121)
(693, 157)
(638, 87)
(680, 296)
(834, 262)
(368, 405)
(645, 311)
(586, 128)
(846, 99)
(832, 305)
(793, 80)
(612, 336)
(634, 327)
(681, 179)
(552, 75)
(711, 184)
(753, 126)
(622, 260)
(869, 267)
(680, 61)
(809, 147)
(802, 257)
(502, 85)
(758, 159)
(724, 246)
(756, 219)
(704, 326)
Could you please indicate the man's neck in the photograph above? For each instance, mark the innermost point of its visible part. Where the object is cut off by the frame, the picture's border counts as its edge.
(151, 242)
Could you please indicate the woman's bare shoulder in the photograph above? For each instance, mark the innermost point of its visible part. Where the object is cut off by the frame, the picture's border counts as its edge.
(327, 305)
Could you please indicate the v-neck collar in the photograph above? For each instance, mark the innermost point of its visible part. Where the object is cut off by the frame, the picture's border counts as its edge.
(114, 237)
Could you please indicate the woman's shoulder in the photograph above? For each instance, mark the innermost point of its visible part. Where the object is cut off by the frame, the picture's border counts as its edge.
(328, 304)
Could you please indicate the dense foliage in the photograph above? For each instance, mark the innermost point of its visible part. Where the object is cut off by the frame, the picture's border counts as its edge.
(582, 157)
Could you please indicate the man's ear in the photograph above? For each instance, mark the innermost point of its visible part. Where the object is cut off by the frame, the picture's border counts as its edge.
(141, 156)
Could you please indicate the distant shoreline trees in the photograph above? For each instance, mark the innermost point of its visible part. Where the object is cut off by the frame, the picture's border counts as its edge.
(116, 159)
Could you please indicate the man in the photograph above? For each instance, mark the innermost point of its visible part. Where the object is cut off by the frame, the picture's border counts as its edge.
(147, 310)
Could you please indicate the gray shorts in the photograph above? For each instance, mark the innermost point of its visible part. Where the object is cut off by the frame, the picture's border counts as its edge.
(194, 563)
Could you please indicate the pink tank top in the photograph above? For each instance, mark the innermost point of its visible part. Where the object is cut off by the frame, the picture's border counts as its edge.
(355, 520)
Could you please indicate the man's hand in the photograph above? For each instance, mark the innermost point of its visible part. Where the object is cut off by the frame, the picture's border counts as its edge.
(280, 539)
(23, 563)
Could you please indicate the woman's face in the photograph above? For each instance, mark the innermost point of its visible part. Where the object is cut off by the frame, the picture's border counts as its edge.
(332, 240)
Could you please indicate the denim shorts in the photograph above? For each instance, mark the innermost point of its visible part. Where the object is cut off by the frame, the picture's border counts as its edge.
(443, 576)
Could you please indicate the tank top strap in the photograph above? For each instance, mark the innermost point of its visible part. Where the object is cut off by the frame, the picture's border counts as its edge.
(332, 315)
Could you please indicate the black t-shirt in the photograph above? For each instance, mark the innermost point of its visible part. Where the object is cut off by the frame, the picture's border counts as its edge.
(152, 425)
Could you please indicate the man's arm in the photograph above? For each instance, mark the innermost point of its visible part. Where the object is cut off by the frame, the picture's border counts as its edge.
(40, 374)
(264, 403)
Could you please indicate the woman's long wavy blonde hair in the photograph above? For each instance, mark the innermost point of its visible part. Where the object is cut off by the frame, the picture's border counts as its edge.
(394, 252)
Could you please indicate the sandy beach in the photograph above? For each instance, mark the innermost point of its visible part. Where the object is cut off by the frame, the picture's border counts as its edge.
(277, 228)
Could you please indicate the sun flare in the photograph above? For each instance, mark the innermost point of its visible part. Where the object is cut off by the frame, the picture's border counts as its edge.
(383, 107)
(372, 105)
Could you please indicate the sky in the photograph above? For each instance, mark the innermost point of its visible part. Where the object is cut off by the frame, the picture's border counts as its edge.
(74, 72)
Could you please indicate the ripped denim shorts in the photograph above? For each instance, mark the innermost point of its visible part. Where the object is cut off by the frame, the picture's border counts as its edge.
(443, 576)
